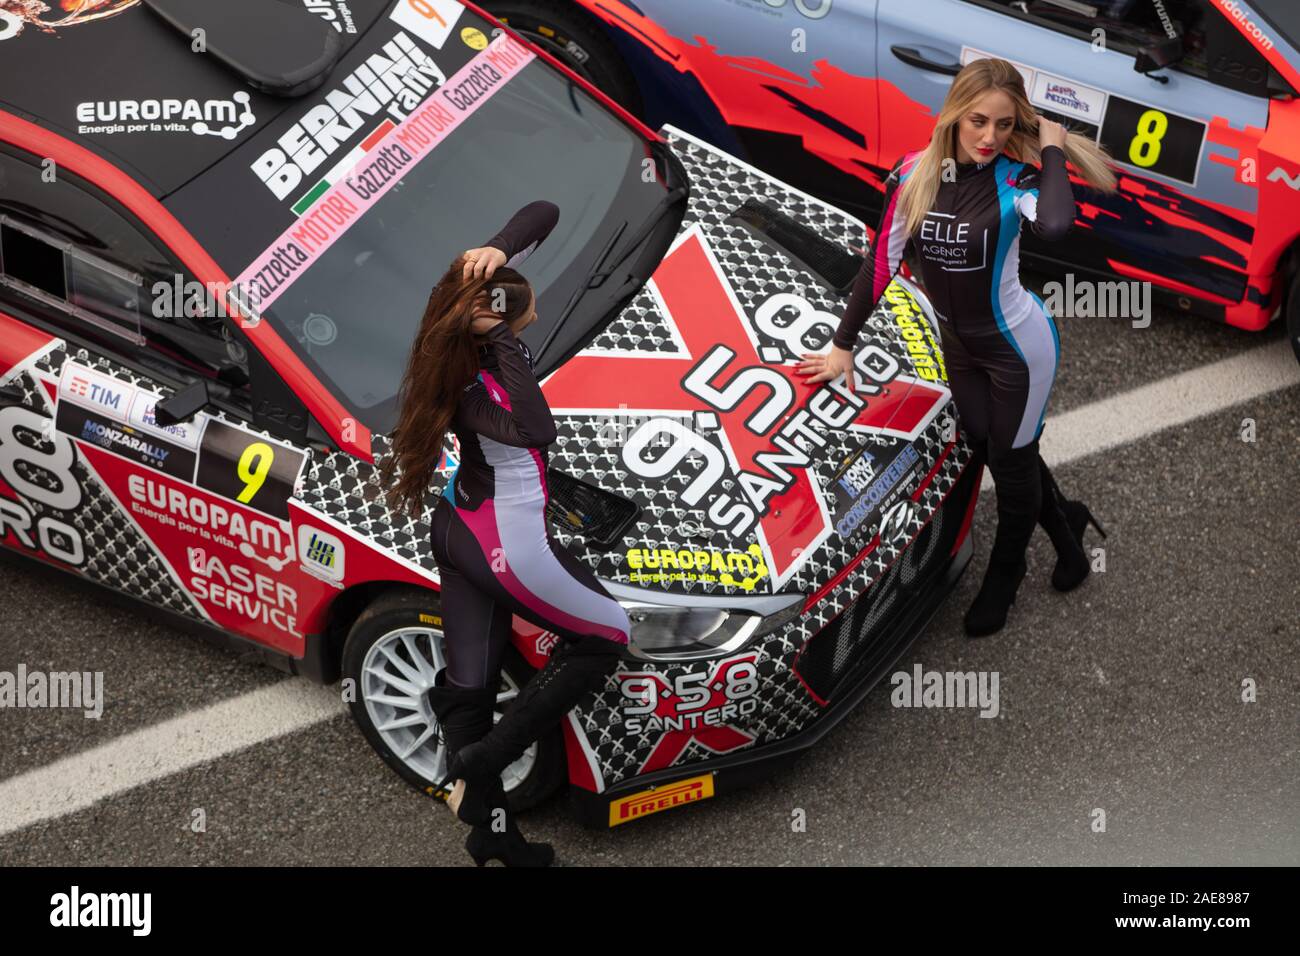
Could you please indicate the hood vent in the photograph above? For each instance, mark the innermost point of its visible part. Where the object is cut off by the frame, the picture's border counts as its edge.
(828, 262)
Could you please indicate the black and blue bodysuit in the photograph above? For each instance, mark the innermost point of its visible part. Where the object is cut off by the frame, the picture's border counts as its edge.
(1000, 343)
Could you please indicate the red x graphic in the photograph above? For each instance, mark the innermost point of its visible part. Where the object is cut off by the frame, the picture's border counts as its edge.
(704, 310)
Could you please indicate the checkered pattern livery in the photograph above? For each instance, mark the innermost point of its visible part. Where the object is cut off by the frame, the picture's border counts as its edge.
(348, 490)
(755, 272)
(116, 553)
(587, 448)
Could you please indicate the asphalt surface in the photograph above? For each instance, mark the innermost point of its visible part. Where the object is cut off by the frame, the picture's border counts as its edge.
(1123, 696)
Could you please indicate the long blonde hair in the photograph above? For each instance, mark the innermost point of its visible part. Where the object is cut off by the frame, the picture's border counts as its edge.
(917, 194)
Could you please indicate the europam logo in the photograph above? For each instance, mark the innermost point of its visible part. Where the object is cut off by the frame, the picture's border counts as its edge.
(224, 118)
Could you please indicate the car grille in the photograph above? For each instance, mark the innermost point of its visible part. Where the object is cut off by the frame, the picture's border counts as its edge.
(867, 634)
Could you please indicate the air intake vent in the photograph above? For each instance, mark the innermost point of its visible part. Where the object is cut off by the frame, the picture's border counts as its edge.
(831, 264)
(579, 508)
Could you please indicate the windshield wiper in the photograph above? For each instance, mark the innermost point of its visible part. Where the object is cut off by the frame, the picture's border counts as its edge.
(595, 277)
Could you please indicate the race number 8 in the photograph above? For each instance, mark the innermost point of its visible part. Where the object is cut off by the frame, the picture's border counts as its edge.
(254, 463)
(1144, 149)
(793, 334)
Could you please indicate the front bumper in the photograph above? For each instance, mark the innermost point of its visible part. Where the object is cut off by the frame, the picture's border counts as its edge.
(837, 665)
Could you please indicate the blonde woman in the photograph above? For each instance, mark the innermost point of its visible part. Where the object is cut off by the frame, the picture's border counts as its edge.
(960, 202)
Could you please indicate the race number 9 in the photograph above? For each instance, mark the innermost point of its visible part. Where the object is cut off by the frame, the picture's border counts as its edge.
(429, 20)
(254, 463)
(246, 467)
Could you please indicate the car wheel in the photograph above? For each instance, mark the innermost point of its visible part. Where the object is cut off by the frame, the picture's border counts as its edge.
(392, 655)
(571, 37)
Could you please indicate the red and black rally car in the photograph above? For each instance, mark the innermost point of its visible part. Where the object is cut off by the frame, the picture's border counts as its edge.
(212, 264)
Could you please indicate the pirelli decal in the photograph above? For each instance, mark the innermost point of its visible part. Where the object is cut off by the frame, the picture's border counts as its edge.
(638, 805)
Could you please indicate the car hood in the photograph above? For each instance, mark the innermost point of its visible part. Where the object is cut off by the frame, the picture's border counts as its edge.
(685, 417)
(745, 479)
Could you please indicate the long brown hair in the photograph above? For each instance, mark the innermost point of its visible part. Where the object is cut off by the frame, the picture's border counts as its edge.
(916, 196)
(443, 362)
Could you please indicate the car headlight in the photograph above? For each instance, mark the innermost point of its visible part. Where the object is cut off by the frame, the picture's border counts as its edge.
(685, 627)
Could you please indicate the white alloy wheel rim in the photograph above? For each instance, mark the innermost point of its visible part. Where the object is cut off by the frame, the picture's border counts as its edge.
(396, 676)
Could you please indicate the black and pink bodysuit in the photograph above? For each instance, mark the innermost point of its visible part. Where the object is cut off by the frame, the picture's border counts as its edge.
(490, 539)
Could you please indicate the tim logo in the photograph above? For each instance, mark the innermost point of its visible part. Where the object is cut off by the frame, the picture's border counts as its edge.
(321, 554)
(95, 392)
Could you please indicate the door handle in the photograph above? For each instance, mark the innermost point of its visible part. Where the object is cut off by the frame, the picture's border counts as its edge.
(914, 58)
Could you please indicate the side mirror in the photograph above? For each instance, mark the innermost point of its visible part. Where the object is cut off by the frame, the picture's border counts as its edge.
(1159, 55)
(182, 406)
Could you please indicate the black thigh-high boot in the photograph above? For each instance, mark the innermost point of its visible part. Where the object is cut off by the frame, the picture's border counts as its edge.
(1015, 476)
(574, 669)
(465, 716)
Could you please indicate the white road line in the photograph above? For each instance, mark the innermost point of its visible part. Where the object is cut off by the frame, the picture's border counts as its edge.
(175, 745)
(166, 748)
(1136, 414)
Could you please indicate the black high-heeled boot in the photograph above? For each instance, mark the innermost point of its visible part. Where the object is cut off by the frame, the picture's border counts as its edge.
(500, 838)
(465, 716)
(1072, 564)
(574, 669)
(1015, 476)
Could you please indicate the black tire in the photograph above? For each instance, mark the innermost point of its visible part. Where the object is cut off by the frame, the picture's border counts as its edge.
(419, 613)
(568, 33)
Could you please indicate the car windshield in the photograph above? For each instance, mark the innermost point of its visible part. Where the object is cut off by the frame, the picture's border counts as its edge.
(350, 303)
(353, 315)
